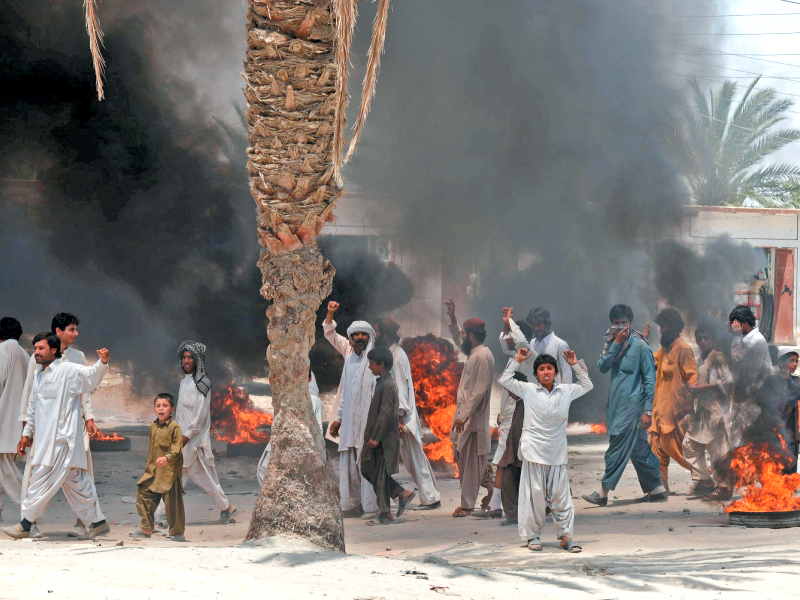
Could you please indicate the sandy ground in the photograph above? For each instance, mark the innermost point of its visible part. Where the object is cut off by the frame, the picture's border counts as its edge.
(682, 548)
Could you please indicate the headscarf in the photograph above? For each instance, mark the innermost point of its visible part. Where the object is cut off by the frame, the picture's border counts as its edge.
(608, 338)
(361, 327)
(198, 352)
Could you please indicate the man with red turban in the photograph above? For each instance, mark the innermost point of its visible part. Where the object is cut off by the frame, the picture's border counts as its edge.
(470, 431)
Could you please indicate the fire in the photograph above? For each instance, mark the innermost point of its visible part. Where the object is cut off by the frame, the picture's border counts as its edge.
(436, 371)
(758, 471)
(598, 428)
(100, 436)
(234, 418)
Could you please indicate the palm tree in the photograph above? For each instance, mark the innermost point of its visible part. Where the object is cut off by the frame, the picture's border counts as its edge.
(723, 146)
(296, 90)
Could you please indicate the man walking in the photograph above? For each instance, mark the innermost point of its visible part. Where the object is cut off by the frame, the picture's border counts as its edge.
(630, 406)
(13, 367)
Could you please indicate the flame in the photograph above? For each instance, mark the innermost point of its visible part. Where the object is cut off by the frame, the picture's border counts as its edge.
(598, 428)
(234, 418)
(101, 437)
(436, 372)
(759, 475)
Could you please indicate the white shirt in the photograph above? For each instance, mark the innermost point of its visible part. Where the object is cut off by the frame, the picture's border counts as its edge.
(401, 371)
(54, 412)
(193, 414)
(355, 390)
(70, 355)
(13, 369)
(750, 355)
(554, 346)
(544, 427)
(507, 403)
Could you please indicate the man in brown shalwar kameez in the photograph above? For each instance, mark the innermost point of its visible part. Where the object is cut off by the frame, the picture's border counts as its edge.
(380, 456)
(676, 372)
(470, 431)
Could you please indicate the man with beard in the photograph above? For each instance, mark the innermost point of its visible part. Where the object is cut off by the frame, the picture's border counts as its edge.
(13, 365)
(676, 372)
(54, 417)
(65, 327)
(751, 367)
(353, 399)
(470, 431)
(708, 427)
(546, 342)
(193, 415)
(411, 452)
(780, 395)
(630, 406)
(513, 337)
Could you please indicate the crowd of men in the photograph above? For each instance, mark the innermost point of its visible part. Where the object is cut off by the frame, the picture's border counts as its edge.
(662, 406)
(46, 415)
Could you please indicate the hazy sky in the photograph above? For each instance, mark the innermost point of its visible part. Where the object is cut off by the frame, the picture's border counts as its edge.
(736, 17)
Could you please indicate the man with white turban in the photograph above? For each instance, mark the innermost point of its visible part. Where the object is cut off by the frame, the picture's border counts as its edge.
(353, 398)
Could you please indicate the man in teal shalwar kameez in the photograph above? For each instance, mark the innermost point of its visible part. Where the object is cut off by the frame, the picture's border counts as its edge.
(630, 405)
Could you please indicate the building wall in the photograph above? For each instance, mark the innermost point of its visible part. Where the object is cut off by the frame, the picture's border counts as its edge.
(765, 228)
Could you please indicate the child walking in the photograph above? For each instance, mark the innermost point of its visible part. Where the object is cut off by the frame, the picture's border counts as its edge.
(380, 454)
(162, 475)
(543, 445)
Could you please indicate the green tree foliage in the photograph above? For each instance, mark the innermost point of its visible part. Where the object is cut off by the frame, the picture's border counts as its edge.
(723, 146)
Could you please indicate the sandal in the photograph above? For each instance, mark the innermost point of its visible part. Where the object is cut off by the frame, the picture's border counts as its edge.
(462, 512)
(138, 533)
(571, 546)
(380, 520)
(535, 545)
(403, 503)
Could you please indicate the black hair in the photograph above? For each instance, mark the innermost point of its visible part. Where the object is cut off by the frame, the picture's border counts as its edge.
(620, 311)
(539, 315)
(10, 329)
(381, 355)
(672, 318)
(526, 330)
(62, 321)
(389, 329)
(52, 341)
(544, 359)
(168, 397)
(743, 314)
(707, 329)
(520, 376)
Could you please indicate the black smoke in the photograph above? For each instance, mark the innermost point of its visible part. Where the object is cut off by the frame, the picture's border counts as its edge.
(128, 212)
(529, 139)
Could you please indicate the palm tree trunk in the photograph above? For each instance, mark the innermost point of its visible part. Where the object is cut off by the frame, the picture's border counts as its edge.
(291, 77)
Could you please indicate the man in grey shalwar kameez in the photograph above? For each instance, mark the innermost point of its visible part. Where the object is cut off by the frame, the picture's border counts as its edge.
(630, 404)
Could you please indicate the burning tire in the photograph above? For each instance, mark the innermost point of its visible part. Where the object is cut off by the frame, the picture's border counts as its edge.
(771, 520)
(105, 443)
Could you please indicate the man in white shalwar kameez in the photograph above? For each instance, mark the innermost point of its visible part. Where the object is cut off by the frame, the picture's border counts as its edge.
(316, 405)
(545, 341)
(54, 418)
(751, 365)
(411, 451)
(13, 366)
(65, 327)
(512, 338)
(193, 414)
(353, 399)
(543, 446)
